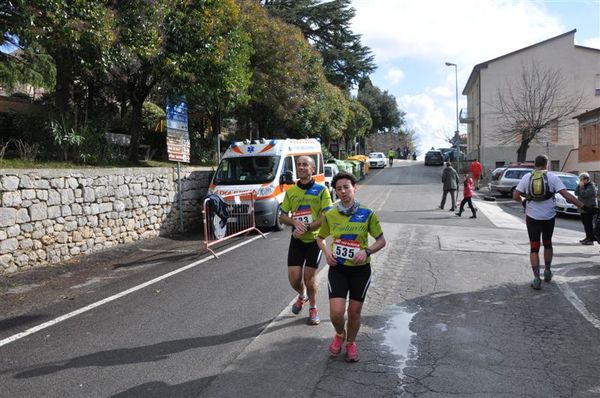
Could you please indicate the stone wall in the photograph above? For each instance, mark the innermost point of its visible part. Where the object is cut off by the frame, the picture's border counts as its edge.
(383, 142)
(50, 216)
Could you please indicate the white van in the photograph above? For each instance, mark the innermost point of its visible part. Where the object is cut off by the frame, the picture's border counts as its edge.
(268, 167)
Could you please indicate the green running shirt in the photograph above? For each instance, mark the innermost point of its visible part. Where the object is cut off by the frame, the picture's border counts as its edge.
(307, 206)
(350, 233)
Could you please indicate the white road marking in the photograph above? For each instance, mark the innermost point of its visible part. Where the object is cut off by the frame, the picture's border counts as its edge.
(499, 217)
(502, 219)
(578, 304)
(87, 308)
(387, 196)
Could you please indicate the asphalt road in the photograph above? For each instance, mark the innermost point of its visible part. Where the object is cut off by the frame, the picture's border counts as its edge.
(449, 313)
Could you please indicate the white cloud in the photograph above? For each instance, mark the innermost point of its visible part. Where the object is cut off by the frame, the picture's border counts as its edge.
(471, 31)
(394, 75)
(592, 42)
(405, 33)
(429, 121)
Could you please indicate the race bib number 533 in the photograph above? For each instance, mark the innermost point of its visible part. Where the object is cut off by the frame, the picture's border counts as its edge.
(304, 216)
(345, 248)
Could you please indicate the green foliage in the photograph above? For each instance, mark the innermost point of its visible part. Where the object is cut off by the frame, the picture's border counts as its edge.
(28, 66)
(326, 24)
(154, 130)
(65, 137)
(382, 106)
(359, 121)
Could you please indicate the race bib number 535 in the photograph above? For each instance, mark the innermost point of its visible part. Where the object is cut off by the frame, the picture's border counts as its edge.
(345, 248)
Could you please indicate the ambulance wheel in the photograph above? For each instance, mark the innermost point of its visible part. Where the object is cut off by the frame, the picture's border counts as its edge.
(278, 226)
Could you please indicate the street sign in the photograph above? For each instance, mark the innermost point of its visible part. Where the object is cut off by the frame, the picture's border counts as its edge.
(178, 139)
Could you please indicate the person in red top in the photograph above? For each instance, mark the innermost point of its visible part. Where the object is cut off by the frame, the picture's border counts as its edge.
(476, 171)
(467, 194)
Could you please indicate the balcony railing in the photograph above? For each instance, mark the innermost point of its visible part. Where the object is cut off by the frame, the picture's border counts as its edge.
(466, 116)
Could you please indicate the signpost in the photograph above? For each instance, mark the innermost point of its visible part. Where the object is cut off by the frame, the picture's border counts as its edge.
(178, 143)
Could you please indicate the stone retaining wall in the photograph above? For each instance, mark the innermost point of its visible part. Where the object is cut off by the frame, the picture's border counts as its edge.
(50, 216)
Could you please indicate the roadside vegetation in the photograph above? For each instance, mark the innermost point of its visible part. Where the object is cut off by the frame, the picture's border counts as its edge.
(247, 69)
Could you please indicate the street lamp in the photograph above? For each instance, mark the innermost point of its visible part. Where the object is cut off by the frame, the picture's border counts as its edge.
(456, 133)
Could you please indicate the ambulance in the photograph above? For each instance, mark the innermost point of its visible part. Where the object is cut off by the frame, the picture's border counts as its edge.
(268, 167)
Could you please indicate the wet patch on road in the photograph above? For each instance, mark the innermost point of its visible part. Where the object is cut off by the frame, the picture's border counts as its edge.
(398, 337)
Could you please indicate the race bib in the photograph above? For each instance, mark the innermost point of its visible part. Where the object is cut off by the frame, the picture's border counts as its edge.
(304, 215)
(345, 249)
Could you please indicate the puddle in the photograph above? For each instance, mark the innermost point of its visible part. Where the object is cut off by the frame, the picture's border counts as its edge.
(398, 337)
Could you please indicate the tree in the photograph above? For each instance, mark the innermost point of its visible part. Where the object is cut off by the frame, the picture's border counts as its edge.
(529, 108)
(359, 122)
(285, 77)
(382, 106)
(326, 25)
(215, 79)
(70, 32)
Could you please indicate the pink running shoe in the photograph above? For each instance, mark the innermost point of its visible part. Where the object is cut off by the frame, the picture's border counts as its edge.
(336, 345)
(297, 306)
(313, 316)
(351, 352)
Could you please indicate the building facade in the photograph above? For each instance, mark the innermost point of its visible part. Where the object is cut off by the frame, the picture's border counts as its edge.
(579, 68)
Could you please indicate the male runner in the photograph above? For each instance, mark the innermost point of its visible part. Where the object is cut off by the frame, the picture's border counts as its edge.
(540, 215)
(302, 208)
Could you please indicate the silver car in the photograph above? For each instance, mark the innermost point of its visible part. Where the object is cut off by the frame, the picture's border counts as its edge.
(508, 179)
(560, 204)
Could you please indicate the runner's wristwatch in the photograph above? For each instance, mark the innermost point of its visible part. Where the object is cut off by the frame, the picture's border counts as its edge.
(368, 251)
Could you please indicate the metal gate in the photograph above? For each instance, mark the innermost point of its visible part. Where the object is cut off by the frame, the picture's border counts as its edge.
(240, 218)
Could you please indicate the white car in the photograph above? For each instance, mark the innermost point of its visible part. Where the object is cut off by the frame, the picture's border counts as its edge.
(560, 204)
(377, 160)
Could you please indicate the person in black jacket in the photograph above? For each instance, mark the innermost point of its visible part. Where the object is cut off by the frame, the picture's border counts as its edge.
(450, 181)
(586, 191)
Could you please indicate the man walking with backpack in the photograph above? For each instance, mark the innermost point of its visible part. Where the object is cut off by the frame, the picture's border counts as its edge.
(538, 189)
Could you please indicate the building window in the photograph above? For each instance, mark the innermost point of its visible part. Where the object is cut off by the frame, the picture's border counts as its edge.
(598, 85)
(555, 165)
(594, 135)
(500, 164)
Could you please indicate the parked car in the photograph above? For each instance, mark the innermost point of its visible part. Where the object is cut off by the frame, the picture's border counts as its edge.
(508, 179)
(377, 160)
(331, 170)
(452, 154)
(560, 204)
(434, 157)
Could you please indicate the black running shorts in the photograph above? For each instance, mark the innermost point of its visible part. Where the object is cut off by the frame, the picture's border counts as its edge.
(302, 253)
(345, 279)
(537, 228)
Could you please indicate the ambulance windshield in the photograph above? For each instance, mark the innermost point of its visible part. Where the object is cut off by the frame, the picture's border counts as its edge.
(246, 170)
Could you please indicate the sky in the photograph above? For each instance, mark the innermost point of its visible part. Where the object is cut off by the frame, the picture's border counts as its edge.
(413, 39)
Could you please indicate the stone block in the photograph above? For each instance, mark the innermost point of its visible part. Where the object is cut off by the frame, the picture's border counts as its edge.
(8, 245)
(67, 196)
(54, 212)
(11, 199)
(26, 182)
(8, 216)
(53, 198)
(10, 183)
(89, 194)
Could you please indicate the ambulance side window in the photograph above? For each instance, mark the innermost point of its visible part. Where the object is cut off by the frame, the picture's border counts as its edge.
(288, 165)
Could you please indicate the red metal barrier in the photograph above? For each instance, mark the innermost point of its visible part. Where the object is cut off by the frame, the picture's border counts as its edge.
(240, 206)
